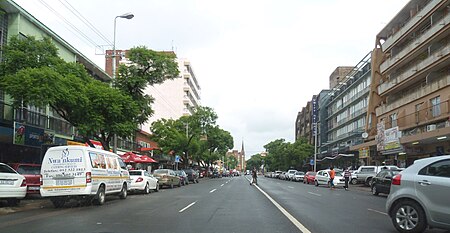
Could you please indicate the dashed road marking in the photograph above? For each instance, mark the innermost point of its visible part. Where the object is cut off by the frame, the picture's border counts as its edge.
(185, 208)
(319, 195)
(212, 190)
(376, 211)
(222, 185)
(290, 187)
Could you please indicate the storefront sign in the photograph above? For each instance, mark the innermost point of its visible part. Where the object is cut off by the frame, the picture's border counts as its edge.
(392, 138)
(28, 135)
(364, 152)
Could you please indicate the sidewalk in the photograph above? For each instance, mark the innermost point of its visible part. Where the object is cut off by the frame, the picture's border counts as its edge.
(24, 205)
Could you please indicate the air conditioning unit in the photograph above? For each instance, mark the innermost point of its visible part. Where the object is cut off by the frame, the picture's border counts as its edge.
(431, 127)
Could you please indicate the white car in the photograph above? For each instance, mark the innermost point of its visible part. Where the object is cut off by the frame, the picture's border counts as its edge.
(143, 181)
(290, 174)
(298, 176)
(13, 186)
(323, 178)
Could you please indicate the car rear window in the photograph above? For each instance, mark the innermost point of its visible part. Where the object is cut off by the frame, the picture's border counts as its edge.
(161, 171)
(135, 173)
(6, 169)
(29, 170)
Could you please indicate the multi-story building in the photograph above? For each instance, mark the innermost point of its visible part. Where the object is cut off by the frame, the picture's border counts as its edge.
(338, 75)
(240, 157)
(409, 105)
(303, 123)
(173, 98)
(41, 127)
(346, 110)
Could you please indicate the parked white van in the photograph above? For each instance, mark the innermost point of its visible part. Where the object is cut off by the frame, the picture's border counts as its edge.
(79, 172)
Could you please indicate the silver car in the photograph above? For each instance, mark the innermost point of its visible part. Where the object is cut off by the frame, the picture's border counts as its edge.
(420, 194)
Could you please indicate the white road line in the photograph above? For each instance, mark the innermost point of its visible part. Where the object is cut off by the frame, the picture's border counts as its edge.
(319, 195)
(222, 185)
(185, 208)
(376, 211)
(287, 214)
(290, 187)
(212, 190)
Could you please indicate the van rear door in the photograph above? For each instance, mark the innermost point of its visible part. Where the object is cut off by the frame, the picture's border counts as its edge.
(64, 169)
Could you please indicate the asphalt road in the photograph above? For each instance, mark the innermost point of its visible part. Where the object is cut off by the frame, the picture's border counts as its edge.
(215, 205)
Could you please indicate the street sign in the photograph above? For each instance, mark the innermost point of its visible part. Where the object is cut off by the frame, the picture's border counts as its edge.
(311, 162)
(177, 158)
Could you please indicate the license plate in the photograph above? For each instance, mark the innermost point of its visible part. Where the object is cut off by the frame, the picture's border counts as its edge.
(6, 182)
(64, 182)
(33, 188)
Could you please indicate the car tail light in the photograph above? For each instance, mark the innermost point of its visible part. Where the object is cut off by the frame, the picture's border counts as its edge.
(88, 177)
(397, 179)
(41, 180)
(24, 183)
(139, 179)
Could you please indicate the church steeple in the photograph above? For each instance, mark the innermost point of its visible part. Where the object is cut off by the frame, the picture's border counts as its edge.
(242, 149)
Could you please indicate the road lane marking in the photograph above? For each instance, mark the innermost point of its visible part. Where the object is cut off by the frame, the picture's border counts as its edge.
(185, 208)
(222, 185)
(319, 195)
(284, 211)
(376, 211)
(212, 190)
(290, 187)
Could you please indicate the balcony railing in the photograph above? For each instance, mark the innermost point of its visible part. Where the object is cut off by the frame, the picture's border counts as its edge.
(413, 44)
(420, 121)
(414, 68)
(409, 24)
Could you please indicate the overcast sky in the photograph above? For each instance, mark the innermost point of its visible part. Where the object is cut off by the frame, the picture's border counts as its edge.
(257, 62)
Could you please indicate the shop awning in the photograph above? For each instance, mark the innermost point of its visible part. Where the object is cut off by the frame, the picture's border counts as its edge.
(130, 157)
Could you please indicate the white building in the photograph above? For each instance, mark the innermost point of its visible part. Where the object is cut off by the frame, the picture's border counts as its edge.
(174, 98)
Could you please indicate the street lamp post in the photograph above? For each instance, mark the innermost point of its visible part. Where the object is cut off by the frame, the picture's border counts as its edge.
(124, 16)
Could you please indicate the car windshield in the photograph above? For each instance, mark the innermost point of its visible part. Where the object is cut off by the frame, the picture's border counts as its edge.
(29, 170)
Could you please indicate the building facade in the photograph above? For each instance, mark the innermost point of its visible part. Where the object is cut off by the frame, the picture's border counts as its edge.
(409, 105)
(338, 75)
(172, 98)
(347, 108)
(26, 132)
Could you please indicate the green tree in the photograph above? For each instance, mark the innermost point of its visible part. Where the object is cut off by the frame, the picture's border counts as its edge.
(283, 155)
(195, 137)
(147, 67)
(33, 74)
(255, 162)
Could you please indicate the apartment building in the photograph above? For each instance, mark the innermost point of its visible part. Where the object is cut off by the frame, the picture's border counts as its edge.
(173, 98)
(346, 111)
(41, 127)
(409, 105)
(177, 97)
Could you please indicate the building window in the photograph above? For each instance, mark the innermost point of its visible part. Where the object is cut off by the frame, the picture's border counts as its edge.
(436, 106)
(393, 119)
(418, 107)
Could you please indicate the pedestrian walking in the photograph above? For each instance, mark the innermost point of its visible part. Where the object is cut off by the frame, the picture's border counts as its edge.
(332, 175)
(347, 175)
(254, 177)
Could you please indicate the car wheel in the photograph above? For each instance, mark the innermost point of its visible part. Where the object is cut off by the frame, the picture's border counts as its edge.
(146, 189)
(354, 181)
(368, 182)
(408, 217)
(13, 202)
(374, 190)
(100, 196)
(316, 183)
(124, 192)
(58, 202)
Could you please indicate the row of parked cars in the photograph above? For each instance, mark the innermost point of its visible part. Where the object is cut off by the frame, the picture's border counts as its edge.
(83, 173)
(418, 196)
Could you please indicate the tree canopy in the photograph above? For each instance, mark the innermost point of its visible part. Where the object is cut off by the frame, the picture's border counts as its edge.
(32, 74)
(283, 155)
(195, 137)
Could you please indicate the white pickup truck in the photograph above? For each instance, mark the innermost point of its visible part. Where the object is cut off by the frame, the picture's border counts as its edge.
(364, 174)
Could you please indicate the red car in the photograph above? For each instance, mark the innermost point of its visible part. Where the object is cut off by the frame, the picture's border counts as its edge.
(309, 177)
(32, 174)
